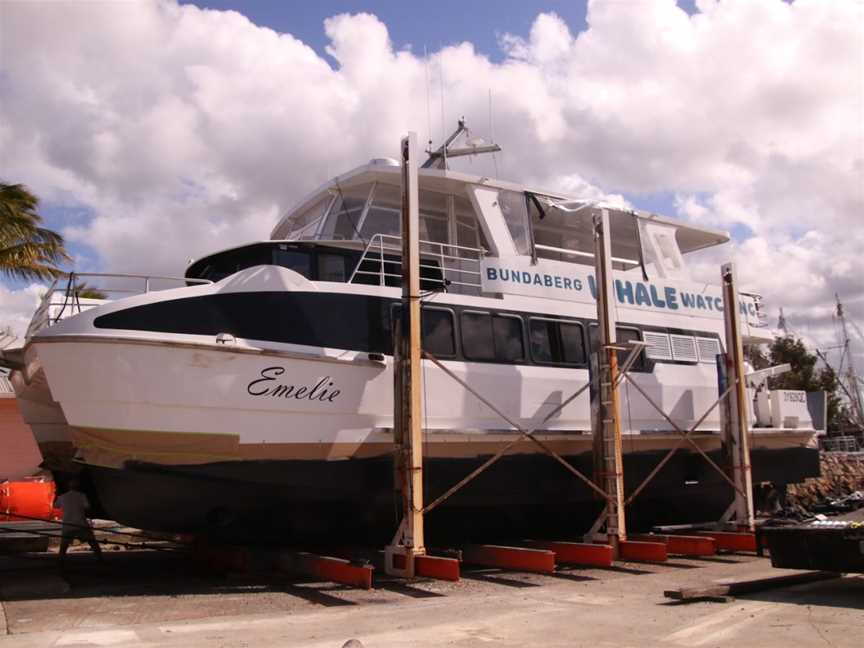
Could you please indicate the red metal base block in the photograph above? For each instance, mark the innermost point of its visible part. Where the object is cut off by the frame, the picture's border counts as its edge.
(642, 551)
(577, 553)
(683, 545)
(327, 568)
(516, 558)
(437, 567)
(731, 541)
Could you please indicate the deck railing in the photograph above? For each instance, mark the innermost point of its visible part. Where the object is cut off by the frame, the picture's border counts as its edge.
(63, 297)
(445, 266)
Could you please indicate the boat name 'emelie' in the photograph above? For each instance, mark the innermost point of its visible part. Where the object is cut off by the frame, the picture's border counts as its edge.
(317, 393)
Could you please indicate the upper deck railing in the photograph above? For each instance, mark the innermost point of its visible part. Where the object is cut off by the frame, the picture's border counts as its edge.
(443, 266)
(63, 297)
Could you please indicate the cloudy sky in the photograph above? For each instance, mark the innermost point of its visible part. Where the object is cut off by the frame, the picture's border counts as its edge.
(156, 131)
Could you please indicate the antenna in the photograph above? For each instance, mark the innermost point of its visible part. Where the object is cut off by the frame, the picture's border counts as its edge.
(441, 74)
(854, 390)
(782, 324)
(492, 133)
(428, 101)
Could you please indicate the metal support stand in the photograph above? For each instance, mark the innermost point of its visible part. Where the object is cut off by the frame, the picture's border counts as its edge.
(607, 430)
(737, 423)
(408, 542)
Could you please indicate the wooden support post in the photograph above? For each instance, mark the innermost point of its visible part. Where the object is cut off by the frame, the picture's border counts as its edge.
(737, 423)
(515, 558)
(409, 538)
(607, 429)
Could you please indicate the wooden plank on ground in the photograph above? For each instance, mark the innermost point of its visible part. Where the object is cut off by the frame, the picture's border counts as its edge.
(736, 588)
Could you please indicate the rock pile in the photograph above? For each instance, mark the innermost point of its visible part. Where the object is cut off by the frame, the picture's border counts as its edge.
(842, 475)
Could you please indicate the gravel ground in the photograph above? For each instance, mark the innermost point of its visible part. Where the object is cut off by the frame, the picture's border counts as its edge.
(148, 598)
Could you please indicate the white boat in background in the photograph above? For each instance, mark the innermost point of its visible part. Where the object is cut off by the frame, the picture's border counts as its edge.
(263, 400)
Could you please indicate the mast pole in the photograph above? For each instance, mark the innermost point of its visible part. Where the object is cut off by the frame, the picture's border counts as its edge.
(854, 389)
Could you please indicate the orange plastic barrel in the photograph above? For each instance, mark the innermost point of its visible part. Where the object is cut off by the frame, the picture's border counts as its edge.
(33, 499)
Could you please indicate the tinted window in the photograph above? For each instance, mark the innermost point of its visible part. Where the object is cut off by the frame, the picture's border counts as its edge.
(314, 319)
(331, 267)
(572, 345)
(507, 332)
(541, 332)
(293, 260)
(622, 336)
(438, 332)
(557, 342)
(477, 341)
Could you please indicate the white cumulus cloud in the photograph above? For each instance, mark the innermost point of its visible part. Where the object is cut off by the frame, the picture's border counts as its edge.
(186, 130)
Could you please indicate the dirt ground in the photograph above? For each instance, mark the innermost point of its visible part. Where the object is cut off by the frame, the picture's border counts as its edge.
(148, 599)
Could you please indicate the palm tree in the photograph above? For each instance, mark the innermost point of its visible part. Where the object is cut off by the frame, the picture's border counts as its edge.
(27, 251)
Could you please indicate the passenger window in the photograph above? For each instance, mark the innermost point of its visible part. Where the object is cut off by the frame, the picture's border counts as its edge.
(507, 333)
(331, 267)
(477, 341)
(572, 344)
(623, 336)
(437, 329)
(541, 333)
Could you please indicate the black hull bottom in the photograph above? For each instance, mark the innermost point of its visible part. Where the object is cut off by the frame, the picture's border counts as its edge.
(353, 502)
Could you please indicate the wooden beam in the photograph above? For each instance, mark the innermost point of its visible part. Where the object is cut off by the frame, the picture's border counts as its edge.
(736, 588)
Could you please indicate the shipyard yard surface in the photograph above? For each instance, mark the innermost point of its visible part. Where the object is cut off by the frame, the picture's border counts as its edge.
(145, 598)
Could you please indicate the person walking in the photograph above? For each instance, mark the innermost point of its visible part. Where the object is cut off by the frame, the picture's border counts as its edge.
(75, 507)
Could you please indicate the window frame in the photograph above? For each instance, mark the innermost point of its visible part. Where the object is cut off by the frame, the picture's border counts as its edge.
(559, 342)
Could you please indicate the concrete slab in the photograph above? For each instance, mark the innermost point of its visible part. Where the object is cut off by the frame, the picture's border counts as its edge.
(31, 586)
(151, 601)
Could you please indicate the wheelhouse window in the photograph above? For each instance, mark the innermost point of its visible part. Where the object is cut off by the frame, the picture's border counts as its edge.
(304, 225)
(515, 211)
(343, 220)
(384, 214)
(557, 342)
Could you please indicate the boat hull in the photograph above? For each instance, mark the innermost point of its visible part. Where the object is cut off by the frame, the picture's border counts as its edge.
(522, 495)
(41, 412)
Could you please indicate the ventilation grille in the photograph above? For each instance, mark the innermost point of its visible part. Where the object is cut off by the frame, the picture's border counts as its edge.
(684, 348)
(708, 349)
(658, 346)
